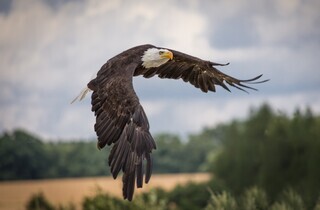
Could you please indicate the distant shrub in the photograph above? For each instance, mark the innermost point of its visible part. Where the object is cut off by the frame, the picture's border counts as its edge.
(223, 201)
(192, 196)
(154, 199)
(254, 199)
(289, 200)
(39, 202)
(103, 201)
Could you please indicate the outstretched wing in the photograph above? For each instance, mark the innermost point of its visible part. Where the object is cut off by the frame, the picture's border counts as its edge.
(121, 121)
(202, 74)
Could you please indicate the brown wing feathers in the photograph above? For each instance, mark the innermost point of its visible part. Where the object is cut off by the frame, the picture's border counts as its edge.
(202, 74)
(121, 120)
(129, 151)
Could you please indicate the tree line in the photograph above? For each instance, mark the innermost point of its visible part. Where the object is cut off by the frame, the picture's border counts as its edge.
(25, 156)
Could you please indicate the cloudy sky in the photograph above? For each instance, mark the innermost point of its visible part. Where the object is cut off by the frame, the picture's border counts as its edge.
(49, 50)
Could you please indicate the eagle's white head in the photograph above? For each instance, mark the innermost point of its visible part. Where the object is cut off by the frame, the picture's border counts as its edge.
(154, 57)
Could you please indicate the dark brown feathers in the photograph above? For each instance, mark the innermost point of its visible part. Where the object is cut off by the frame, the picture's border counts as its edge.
(121, 120)
(200, 73)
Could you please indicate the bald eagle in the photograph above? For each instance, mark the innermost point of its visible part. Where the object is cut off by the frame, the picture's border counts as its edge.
(120, 118)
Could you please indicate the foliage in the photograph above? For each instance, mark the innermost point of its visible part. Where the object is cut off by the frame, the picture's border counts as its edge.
(256, 199)
(24, 156)
(252, 199)
(175, 156)
(102, 201)
(271, 151)
(39, 202)
(289, 199)
(155, 199)
(191, 196)
(151, 200)
(76, 159)
(166, 157)
(222, 201)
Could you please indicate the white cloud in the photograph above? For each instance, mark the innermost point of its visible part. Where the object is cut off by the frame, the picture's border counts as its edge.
(77, 122)
(48, 55)
(31, 116)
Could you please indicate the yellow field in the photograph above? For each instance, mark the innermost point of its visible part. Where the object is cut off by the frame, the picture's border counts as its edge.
(15, 194)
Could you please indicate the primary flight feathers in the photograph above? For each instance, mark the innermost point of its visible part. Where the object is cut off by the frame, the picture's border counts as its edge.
(121, 120)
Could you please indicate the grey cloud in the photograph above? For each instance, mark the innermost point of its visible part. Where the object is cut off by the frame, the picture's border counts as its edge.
(58, 4)
(234, 32)
(5, 6)
(245, 23)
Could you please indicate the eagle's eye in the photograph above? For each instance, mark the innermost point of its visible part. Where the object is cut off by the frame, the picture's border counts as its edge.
(161, 52)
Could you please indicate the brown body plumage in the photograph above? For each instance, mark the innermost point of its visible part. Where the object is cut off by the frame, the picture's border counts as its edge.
(121, 120)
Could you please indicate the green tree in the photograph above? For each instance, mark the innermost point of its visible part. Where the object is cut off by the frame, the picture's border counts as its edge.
(168, 155)
(198, 149)
(77, 159)
(272, 151)
(22, 156)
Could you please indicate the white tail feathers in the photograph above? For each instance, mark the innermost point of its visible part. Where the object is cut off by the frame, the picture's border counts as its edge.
(82, 94)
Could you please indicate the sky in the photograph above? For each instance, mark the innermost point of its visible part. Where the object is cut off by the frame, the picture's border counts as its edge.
(50, 50)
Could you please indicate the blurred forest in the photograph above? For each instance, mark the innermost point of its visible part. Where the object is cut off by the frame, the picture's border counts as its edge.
(267, 161)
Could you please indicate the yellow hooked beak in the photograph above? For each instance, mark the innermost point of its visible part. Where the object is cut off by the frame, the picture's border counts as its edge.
(168, 55)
